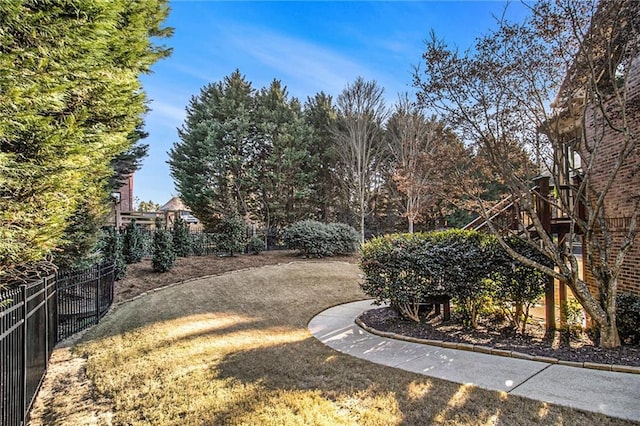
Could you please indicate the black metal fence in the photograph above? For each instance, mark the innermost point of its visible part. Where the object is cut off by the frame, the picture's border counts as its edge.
(33, 318)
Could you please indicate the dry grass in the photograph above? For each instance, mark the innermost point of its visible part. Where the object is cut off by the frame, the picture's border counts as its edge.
(234, 349)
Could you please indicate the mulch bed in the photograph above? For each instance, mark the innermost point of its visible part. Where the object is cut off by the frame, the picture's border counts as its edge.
(497, 334)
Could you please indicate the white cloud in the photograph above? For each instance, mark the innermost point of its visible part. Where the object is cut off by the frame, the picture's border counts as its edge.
(313, 67)
(174, 115)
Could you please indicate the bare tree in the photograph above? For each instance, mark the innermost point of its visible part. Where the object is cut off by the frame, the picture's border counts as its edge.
(557, 85)
(360, 144)
(423, 151)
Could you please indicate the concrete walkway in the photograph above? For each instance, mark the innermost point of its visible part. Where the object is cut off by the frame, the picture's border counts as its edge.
(611, 393)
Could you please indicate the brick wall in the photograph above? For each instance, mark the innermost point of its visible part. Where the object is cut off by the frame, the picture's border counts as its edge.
(619, 201)
(126, 195)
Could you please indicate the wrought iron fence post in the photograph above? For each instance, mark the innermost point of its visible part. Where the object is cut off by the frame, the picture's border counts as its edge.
(98, 293)
(25, 347)
(46, 321)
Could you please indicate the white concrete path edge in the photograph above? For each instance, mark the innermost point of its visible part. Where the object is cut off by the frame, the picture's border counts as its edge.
(611, 393)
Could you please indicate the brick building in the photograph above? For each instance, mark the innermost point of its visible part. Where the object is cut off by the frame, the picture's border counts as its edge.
(600, 119)
(622, 198)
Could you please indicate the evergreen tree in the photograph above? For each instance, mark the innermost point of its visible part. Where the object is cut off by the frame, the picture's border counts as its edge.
(133, 245)
(81, 237)
(232, 236)
(211, 165)
(111, 249)
(321, 115)
(286, 170)
(70, 98)
(163, 255)
(126, 163)
(181, 238)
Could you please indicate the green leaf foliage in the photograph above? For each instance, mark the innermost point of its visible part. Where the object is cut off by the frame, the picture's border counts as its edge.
(133, 244)
(80, 240)
(404, 269)
(182, 243)
(70, 99)
(628, 318)
(245, 151)
(255, 245)
(212, 163)
(321, 116)
(163, 255)
(110, 246)
(316, 239)
(231, 234)
(518, 286)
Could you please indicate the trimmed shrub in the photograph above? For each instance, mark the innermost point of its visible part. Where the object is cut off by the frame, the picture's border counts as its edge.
(163, 255)
(344, 239)
(231, 234)
(181, 238)
(402, 270)
(517, 286)
(472, 268)
(467, 265)
(255, 245)
(316, 239)
(133, 245)
(628, 318)
(111, 248)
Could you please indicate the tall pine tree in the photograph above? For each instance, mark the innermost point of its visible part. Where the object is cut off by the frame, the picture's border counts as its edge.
(212, 163)
(286, 171)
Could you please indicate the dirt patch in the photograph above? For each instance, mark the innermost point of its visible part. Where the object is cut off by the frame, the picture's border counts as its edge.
(497, 334)
(67, 396)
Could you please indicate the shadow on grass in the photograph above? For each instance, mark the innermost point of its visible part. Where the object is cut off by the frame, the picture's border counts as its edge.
(403, 397)
(235, 350)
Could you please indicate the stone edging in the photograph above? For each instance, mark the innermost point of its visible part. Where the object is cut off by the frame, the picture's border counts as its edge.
(499, 352)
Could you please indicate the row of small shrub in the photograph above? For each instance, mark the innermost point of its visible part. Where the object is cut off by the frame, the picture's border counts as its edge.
(133, 243)
(472, 268)
(317, 239)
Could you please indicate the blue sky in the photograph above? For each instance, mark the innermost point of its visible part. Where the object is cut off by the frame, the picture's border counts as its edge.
(309, 46)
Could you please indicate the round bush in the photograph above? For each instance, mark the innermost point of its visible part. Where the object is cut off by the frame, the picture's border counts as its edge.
(472, 268)
(316, 239)
(255, 245)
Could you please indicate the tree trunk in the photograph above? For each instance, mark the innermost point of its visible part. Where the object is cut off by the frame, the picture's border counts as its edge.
(609, 334)
(604, 318)
(410, 225)
(362, 211)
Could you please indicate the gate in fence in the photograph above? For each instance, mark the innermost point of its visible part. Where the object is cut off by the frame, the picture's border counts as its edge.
(33, 318)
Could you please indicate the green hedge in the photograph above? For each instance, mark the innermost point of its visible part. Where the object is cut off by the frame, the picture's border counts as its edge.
(317, 239)
(255, 245)
(472, 268)
(628, 318)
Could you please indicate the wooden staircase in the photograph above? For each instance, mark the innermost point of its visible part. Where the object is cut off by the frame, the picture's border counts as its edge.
(551, 204)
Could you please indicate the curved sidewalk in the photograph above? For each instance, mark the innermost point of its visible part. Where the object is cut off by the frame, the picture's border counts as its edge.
(611, 393)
